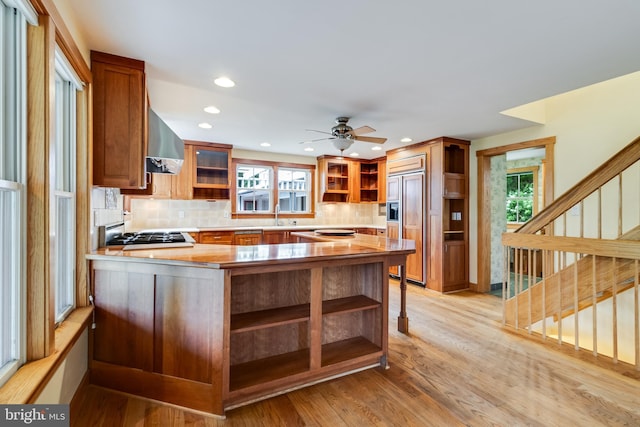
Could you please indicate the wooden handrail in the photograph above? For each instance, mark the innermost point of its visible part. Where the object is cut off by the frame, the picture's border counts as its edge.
(596, 179)
(615, 248)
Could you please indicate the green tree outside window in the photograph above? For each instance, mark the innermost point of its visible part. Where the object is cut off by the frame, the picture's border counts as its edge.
(520, 196)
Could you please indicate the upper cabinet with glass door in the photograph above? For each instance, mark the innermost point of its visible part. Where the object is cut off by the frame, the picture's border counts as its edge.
(210, 179)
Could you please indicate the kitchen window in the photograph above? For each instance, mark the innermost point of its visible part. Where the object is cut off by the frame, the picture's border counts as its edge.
(293, 190)
(262, 187)
(254, 188)
(13, 181)
(66, 85)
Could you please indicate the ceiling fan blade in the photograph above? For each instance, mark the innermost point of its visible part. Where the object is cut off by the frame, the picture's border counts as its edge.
(370, 139)
(320, 131)
(362, 130)
(314, 140)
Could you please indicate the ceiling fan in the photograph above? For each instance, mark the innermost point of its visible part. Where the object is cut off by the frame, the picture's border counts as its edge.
(344, 135)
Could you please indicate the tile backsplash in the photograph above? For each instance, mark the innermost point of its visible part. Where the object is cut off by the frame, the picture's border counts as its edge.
(106, 206)
(165, 213)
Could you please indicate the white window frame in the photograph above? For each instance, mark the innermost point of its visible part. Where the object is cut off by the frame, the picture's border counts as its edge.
(244, 184)
(291, 188)
(13, 113)
(64, 204)
(533, 170)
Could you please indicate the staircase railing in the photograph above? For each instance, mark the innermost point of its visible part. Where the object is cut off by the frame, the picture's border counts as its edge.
(572, 271)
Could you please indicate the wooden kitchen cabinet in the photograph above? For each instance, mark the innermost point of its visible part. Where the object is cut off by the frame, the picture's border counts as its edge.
(369, 181)
(334, 179)
(159, 185)
(275, 237)
(258, 323)
(205, 173)
(382, 180)
(448, 207)
(216, 237)
(354, 181)
(119, 121)
(247, 238)
(431, 179)
(211, 171)
(350, 313)
(454, 260)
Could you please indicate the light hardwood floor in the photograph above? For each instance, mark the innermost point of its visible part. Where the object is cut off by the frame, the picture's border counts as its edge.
(458, 366)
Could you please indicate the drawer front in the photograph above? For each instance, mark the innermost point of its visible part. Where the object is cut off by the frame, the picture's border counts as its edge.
(246, 239)
(217, 237)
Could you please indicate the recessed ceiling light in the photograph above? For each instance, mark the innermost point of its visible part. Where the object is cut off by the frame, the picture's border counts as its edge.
(376, 148)
(212, 110)
(265, 144)
(205, 126)
(406, 140)
(224, 82)
(354, 154)
(309, 149)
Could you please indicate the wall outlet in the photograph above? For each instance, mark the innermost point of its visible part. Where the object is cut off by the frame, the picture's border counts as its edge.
(225, 214)
(180, 214)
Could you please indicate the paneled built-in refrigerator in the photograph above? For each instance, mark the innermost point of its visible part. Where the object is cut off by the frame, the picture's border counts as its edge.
(406, 196)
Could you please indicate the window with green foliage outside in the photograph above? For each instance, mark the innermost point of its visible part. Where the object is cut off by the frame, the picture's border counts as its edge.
(521, 193)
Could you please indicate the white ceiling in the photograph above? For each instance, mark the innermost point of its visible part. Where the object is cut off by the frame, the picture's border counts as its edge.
(408, 68)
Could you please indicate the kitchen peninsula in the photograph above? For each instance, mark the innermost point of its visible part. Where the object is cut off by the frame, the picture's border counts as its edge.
(214, 327)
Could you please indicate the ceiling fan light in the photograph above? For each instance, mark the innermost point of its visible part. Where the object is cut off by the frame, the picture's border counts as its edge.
(342, 143)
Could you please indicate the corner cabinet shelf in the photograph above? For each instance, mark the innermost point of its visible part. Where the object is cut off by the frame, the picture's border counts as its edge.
(358, 181)
(334, 179)
(288, 327)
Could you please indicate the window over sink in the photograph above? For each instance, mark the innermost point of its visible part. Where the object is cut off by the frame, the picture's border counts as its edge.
(293, 190)
(263, 189)
(254, 188)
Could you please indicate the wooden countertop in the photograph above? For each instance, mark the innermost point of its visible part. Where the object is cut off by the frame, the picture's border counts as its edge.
(365, 240)
(287, 227)
(232, 256)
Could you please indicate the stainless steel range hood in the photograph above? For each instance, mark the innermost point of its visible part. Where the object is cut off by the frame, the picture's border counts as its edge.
(166, 150)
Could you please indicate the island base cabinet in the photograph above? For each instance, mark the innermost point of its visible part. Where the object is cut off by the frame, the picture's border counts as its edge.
(159, 332)
(292, 328)
(213, 340)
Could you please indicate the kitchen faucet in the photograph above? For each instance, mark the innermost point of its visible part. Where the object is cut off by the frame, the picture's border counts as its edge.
(277, 211)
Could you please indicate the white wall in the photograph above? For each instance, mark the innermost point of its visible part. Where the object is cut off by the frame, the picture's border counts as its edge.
(65, 381)
(590, 125)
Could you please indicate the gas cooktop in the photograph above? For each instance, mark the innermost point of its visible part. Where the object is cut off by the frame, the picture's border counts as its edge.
(114, 235)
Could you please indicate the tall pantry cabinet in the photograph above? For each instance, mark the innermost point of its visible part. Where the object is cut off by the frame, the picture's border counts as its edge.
(434, 210)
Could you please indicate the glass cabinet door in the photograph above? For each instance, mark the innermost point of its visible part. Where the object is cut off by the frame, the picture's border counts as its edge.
(212, 168)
